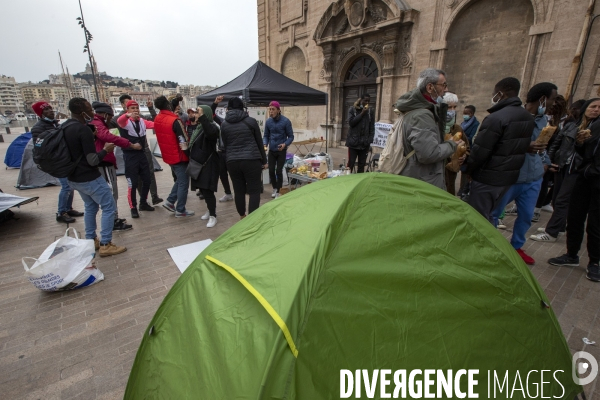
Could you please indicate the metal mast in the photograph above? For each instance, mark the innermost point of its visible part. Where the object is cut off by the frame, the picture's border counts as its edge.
(86, 48)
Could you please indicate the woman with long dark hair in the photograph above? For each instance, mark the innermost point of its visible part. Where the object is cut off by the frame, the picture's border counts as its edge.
(203, 150)
(585, 199)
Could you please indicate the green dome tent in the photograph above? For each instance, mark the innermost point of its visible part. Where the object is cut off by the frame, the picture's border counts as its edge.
(362, 272)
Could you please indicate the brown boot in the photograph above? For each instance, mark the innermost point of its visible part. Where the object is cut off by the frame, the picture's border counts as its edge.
(96, 243)
(111, 250)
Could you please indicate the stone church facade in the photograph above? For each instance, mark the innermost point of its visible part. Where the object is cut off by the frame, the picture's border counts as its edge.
(350, 47)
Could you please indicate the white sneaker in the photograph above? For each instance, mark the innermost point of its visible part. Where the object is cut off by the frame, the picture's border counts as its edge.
(501, 224)
(205, 216)
(542, 237)
(543, 230)
(212, 221)
(227, 197)
(275, 194)
(548, 208)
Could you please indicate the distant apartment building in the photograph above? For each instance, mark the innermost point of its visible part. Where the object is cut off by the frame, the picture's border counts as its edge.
(55, 94)
(10, 95)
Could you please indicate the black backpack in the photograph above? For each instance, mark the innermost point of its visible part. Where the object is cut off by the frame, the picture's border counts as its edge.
(51, 154)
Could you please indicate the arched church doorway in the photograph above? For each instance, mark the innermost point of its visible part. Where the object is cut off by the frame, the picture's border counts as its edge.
(487, 41)
(360, 78)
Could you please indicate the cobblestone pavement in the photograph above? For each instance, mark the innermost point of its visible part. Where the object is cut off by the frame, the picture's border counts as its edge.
(82, 344)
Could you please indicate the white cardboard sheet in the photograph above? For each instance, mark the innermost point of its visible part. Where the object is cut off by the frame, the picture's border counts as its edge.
(184, 255)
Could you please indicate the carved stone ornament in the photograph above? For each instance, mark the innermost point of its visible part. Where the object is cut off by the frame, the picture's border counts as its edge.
(355, 10)
(451, 3)
(389, 56)
(341, 27)
(327, 70)
(377, 13)
(342, 53)
(376, 46)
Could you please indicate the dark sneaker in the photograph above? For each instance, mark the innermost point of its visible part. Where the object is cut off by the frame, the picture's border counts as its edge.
(120, 221)
(156, 200)
(512, 210)
(121, 226)
(536, 217)
(186, 213)
(64, 217)
(74, 213)
(564, 261)
(169, 206)
(135, 213)
(146, 207)
(593, 272)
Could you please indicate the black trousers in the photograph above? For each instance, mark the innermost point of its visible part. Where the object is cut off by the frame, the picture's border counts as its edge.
(211, 201)
(153, 189)
(136, 168)
(585, 204)
(465, 185)
(563, 188)
(223, 173)
(362, 159)
(485, 198)
(546, 195)
(276, 162)
(246, 179)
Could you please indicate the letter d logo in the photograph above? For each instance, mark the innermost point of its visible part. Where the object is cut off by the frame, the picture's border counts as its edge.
(584, 363)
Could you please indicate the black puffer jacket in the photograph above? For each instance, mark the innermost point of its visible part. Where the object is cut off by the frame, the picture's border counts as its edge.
(499, 148)
(242, 138)
(42, 126)
(362, 128)
(563, 146)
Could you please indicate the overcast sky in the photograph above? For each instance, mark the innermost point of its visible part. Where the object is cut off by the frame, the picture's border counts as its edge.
(200, 42)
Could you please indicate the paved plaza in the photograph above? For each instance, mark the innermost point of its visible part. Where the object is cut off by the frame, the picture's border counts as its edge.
(81, 344)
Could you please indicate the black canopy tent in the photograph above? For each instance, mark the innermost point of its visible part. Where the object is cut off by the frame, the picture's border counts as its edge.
(261, 84)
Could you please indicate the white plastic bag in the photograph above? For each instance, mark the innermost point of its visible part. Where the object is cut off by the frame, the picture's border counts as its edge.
(66, 264)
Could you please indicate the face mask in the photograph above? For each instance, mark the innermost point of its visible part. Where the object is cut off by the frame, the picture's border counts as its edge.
(192, 119)
(494, 98)
(86, 117)
(439, 98)
(466, 117)
(450, 116)
(48, 119)
(542, 108)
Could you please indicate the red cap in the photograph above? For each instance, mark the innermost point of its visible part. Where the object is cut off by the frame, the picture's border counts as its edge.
(39, 107)
(275, 104)
(131, 103)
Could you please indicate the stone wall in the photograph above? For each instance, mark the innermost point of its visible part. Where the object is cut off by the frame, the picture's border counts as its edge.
(479, 42)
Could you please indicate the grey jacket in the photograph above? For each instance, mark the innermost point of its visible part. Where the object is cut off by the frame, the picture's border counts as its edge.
(422, 133)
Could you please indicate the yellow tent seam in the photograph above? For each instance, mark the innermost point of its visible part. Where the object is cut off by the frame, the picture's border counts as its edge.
(262, 301)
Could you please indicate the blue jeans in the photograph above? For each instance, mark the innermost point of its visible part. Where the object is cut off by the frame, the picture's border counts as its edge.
(525, 196)
(96, 194)
(180, 188)
(65, 197)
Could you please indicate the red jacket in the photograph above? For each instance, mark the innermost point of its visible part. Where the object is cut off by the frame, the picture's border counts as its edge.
(104, 136)
(167, 141)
